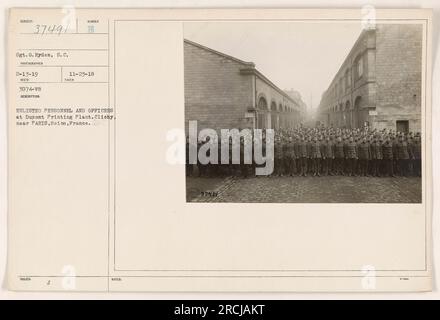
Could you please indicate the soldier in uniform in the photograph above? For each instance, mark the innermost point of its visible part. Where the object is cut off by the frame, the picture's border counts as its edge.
(376, 156)
(410, 143)
(316, 156)
(346, 163)
(357, 141)
(297, 144)
(351, 156)
(290, 157)
(322, 144)
(309, 155)
(285, 169)
(263, 149)
(328, 155)
(279, 164)
(364, 156)
(395, 155)
(417, 156)
(402, 156)
(332, 161)
(339, 156)
(387, 152)
(303, 154)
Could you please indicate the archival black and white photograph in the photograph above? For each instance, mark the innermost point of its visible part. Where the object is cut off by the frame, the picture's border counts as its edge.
(282, 151)
(303, 112)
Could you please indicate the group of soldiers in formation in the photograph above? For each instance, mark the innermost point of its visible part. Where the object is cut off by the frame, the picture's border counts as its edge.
(332, 151)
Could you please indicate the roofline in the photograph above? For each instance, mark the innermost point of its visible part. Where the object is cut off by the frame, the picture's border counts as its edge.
(219, 53)
(250, 67)
(264, 78)
(361, 36)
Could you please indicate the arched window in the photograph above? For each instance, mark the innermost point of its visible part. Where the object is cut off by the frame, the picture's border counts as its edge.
(359, 66)
(262, 103)
(347, 79)
(357, 102)
(261, 118)
(274, 124)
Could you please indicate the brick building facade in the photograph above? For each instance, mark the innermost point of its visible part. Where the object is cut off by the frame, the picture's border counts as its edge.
(223, 92)
(379, 83)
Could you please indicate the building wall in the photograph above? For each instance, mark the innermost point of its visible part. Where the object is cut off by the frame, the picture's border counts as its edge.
(222, 92)
(347, 101)
(286, 113)
(216, 94)
(389, 89)
(399, 74)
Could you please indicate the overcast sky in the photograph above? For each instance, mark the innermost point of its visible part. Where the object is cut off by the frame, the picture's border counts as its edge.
(294, 55)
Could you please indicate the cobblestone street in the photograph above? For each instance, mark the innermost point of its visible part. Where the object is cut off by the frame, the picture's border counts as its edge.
(327, 189)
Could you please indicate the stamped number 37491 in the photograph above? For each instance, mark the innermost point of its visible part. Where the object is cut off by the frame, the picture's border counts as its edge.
(50, 29)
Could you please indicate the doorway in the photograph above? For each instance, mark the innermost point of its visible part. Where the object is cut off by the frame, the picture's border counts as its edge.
(402, 126)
